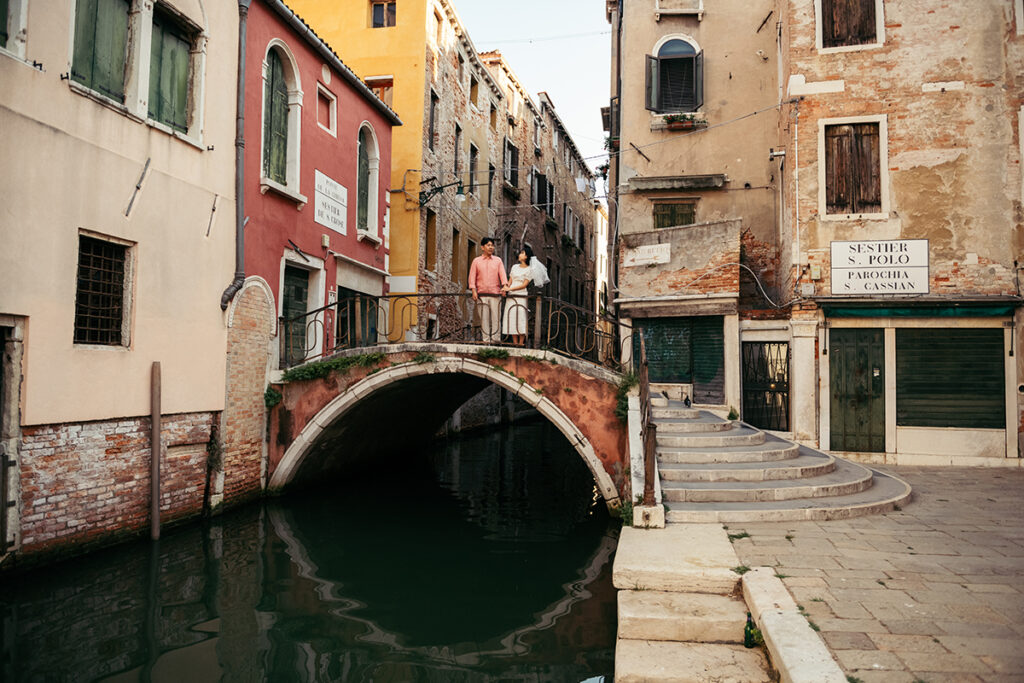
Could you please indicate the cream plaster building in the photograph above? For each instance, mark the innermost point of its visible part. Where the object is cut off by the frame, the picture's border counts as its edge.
(118, 237)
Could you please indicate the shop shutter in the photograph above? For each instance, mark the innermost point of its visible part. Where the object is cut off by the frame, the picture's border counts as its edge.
(950, 378)
(708, 360)
(669, 349)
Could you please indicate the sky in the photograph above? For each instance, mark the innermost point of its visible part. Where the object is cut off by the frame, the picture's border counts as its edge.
(561, 47)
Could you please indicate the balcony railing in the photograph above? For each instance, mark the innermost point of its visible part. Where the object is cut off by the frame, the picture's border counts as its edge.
(365, 321)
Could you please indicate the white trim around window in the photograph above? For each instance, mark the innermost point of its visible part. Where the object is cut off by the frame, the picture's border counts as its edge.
(291, 187)
(17, 28)
(879, 32)
(883, 167)
(332, 104)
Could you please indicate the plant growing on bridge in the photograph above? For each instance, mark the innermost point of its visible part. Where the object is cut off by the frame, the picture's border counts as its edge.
(626, 512)
(628, 381)
(322, 369)
(489, 353)
(271, 397)
(422, 358)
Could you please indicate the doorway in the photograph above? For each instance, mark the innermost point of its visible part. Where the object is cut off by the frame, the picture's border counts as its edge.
(857, 401)
(766, 385)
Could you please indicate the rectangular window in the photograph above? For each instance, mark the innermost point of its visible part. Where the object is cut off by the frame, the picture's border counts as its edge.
(438, 28)
(432, 123)
(536, 136)
(490, 184)
(170, 57)
(462, 68)
(326, 109)
(474, 90)
(511, 163)
(848, 22)
(675, 83)
(383, 88)
(494, 117)
(101, 43)
(455, 255)
(100, 296)
(853, 169)
(458, 148)
(950, 378)
(470, 255)
(672, 214)
(431, 238)
(383, 14)
(474, 163)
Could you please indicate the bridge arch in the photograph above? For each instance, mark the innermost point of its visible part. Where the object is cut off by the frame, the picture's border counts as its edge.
(567, 409)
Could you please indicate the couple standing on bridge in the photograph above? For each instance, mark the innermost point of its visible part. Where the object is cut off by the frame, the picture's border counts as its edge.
(487, 278)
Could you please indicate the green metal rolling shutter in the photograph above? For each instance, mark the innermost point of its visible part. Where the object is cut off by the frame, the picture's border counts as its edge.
(950, 378)
(708, 364)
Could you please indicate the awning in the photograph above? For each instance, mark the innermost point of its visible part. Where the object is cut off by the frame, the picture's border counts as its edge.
(972, 309)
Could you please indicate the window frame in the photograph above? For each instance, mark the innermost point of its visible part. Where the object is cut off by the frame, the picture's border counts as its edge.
(883, 168)
(432, 120)
(127, 288)
(389, 11)
(474, 168)
(653, 100)
(332, 115)
(137, 64)
(658, 202)
(16, 26)
(819, 28)
(291, 187)
(371, 229)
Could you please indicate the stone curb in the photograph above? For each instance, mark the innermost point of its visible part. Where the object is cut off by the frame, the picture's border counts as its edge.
(796, 651)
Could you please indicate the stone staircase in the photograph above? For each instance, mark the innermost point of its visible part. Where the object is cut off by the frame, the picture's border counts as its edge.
(718, 470)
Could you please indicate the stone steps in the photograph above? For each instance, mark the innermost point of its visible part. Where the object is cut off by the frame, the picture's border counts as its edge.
(654, 660)
(695, 617)
(844, 479)
(760, 470)
(715, 470)
(669, 413)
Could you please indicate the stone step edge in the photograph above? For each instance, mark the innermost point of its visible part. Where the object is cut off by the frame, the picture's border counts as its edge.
(797, 652)
(650, 661)
(813, 514)
(670, 491)
(680, 617)
(672, 455)
(773, 471)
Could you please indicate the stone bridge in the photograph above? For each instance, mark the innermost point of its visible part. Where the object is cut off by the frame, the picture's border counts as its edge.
(387, 401)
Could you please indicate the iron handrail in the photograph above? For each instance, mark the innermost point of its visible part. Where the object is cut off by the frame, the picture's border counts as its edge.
(648, 430)
(361, 321)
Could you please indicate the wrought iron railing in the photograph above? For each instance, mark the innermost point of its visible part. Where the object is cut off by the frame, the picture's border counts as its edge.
(649, 430)
(363, 321)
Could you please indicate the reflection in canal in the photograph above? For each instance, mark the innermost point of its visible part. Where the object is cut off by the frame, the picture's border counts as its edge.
(488, 557)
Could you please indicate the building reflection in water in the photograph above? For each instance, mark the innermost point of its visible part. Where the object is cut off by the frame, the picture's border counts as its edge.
(488, 557)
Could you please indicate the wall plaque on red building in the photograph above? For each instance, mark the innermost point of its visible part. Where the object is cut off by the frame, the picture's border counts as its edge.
(330, 203)
(880, 267)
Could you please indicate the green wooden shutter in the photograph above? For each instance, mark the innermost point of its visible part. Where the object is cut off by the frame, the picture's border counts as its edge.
(168, 74)
(4, 17)
(363, 183)
(101, 42)
(708, 360)
(275, 121)
(950, 378)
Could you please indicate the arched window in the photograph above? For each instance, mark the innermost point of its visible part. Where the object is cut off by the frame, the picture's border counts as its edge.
(675, 77)
(367, 188)
(275, 121)
(282, 115)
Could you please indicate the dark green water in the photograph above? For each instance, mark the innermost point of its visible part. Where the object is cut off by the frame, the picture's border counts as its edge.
(483, 558)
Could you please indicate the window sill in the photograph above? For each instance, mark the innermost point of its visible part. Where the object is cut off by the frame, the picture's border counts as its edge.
(854, 216)
(107, 102)
(20, 58)
(268, 184)
(849, 48)
(365, 236)
(184, 137)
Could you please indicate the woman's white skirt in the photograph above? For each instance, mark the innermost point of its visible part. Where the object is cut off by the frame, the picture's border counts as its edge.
(514, 319)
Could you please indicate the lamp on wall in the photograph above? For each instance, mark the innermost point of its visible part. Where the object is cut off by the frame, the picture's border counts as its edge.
(428, 194)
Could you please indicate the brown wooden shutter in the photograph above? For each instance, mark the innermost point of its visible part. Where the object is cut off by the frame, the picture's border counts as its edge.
(847, 22)
(838, 169)
(867, 183)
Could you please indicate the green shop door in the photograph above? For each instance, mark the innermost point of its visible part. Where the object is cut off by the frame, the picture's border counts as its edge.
(857, 404)
(293, 310)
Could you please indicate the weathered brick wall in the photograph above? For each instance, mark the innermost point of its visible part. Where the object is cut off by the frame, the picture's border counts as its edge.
(702, 261)
(243, 424)
(89, 483)
(763, 258)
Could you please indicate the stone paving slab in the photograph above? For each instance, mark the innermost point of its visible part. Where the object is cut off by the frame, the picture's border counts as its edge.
(932, 592)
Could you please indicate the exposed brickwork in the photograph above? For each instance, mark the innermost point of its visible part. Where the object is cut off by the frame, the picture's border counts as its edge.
(761, 257)
(244, 420)
(88, 483)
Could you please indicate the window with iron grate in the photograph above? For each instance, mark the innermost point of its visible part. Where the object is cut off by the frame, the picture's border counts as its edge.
(100, 295)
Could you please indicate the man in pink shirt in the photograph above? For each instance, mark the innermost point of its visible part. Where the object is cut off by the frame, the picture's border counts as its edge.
(487, 277)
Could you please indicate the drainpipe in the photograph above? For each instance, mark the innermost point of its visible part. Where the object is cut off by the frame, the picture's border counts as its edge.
(155, 450)
(236, 284)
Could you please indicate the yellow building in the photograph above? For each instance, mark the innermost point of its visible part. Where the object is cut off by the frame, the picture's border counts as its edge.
(418, 58)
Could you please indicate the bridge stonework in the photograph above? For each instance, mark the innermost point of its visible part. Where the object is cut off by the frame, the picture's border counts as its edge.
(577, 397)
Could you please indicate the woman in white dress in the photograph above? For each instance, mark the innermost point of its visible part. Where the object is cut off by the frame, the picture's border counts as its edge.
(520, 275)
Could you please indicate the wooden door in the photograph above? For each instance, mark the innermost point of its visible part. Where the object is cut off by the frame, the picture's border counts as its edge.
(857, 403)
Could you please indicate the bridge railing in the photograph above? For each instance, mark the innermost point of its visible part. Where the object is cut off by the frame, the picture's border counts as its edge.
(649, 431)
(362, 321)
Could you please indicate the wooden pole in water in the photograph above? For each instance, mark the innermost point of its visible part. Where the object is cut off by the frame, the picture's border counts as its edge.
(155, 451)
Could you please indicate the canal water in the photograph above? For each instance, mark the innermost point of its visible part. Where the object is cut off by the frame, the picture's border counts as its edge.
(485, 557)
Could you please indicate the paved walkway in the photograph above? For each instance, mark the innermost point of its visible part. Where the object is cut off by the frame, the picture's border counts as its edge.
(933, 592)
